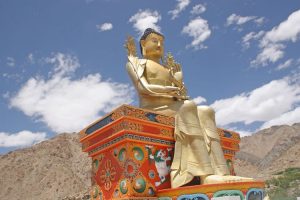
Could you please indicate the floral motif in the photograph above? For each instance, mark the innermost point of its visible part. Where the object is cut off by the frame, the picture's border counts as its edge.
(120, 126)
(134, 126)
(166, 132)
(108, 175)
(138, 113)
(131, 169)
(165, 120)
(118, 113)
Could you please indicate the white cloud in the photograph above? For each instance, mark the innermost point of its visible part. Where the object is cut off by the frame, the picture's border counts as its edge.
(63, 63)
(199, 30)
(288, 118)
(260, 21)
(65, 104)
(263, 104)
(270, 53)
(285, 65)
(144, 19)
(272, 42)
(242, 133)
(251, 36)
(198, 100)
(238, 20)
(21, 139)
(10, 61)
(288, 30)
(181, 5)
(198, 9)
(104, 27)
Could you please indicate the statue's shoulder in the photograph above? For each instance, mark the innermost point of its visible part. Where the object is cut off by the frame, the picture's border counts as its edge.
(136, 60)
(136, 64)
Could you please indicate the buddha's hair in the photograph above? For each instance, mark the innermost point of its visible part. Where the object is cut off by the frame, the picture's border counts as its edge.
(147, 32)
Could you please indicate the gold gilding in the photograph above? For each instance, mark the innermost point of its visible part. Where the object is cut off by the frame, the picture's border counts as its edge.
(161, 88)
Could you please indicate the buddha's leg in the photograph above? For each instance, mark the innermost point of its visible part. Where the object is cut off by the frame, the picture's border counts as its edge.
(212, 138)
(194, 159)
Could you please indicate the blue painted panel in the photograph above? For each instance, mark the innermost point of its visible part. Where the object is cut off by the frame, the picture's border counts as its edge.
(151, 117)
(227, 134)
(193, 197)
(255, 194)
(226, 193)
(99, 125)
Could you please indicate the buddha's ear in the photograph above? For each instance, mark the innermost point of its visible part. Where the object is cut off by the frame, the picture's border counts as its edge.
(142, 42)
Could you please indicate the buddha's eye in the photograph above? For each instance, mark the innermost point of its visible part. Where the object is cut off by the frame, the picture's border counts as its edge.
(154, 40)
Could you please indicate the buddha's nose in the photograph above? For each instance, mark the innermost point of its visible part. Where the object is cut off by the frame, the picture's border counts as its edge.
(159, 44)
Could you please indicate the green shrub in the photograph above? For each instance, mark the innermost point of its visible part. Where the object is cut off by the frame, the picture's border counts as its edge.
(283, 182)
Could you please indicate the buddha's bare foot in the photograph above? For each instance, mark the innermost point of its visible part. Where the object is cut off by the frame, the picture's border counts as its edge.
(224, 179)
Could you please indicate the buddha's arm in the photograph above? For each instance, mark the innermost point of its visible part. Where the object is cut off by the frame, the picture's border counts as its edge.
(144, 87)
(159, 88)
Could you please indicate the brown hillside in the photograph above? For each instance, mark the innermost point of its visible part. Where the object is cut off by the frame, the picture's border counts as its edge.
(51, 169)
(269, 151)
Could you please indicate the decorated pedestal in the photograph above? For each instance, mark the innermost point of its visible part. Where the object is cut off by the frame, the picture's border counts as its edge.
(244, 191)
(132, 151)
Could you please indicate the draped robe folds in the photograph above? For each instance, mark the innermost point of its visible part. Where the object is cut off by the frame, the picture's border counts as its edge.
(197, 144)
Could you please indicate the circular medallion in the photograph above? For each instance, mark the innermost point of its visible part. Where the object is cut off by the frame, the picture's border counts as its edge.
(151, 174)
(138, 153)
(123, 187)
(122, 155)
(139, 185)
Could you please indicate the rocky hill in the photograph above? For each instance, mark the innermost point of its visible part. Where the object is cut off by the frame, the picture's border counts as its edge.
(51, 169)
(57, 169)
(269, 151)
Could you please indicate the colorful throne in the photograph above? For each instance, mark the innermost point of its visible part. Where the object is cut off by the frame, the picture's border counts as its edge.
(132, 150)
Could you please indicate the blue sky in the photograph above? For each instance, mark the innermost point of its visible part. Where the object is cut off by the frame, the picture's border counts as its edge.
(62, 63)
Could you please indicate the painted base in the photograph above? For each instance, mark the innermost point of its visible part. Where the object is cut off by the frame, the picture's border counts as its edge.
(228, 191)
(244, 190)
(130, 145)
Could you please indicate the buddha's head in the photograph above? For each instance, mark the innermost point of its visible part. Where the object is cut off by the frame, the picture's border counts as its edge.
(152, 44)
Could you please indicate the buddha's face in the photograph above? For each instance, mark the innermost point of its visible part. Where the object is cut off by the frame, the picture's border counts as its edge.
(153, 46)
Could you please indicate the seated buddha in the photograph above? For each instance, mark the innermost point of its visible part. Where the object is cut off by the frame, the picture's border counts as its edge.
(160, 88)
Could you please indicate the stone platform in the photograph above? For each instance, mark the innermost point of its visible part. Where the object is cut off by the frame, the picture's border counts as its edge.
(132, 151)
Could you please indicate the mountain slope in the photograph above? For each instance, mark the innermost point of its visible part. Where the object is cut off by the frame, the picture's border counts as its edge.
(49, 170)
(269, 151)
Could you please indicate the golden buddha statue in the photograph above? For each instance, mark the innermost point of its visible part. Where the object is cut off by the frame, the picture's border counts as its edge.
(198, 151)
